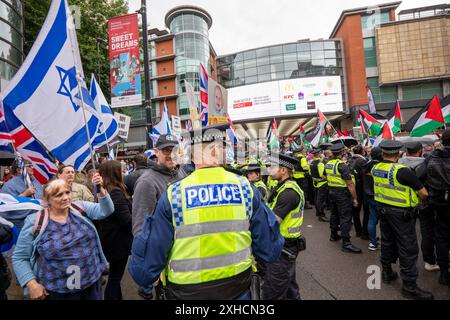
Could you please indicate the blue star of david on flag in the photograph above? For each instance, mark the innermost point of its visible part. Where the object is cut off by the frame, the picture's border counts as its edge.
(68, 84)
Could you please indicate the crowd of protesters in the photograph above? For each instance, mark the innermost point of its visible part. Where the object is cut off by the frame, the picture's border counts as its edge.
(91, 217)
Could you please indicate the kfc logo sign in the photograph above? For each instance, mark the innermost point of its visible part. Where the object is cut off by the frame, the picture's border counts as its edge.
(288, 97)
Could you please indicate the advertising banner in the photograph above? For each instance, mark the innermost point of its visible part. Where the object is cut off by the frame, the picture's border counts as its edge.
(176, 125)
(125, 65)
(193, 105)
(285, 97)
(217, 106)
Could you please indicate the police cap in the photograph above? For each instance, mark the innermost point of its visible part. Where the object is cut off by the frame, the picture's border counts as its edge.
(299, 149)
(283, 160)
(337, 147)
(391, 146)
(254, 167)
(325, 146)
(413, 147)
(316, 151)
(207, 134)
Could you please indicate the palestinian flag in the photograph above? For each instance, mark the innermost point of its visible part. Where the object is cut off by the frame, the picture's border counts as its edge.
(273, 142)
(426, 120)
(316, 137)
(395, 118)
(346, 133)
(386, 134)
(302, 134)
(371, 125)
(445, 103)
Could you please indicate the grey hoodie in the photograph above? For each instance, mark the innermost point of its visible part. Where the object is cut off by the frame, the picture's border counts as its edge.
(411, 162)
(149, 187)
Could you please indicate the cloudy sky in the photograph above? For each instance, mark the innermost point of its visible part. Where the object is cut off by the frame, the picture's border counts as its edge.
(244, 24)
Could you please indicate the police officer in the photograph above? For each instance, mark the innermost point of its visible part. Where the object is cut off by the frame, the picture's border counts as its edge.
(206, 229)
(320, 184)
(342, 195)
(436, 171)
(253, 173)
(287, 201)
(397, 191)
(301, 171)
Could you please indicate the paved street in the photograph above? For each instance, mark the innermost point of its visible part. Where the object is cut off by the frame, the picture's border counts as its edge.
(324, 272)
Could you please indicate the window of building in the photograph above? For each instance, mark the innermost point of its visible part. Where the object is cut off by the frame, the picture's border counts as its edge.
(250, 55)
(317, 45)
(290, 48)
(250, 72)
(369, 22)
(422, 90)
(263, 52)
(382, 94)
(276, 58)
(370, 53)
(303, 46)
(276, 50)
(262, 61)
(290, 56)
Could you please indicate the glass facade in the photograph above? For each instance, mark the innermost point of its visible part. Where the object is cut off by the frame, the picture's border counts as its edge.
(382, 94)
(422, 90)
(11, 39)
(280, 62)
(368, 25)
(191, 44)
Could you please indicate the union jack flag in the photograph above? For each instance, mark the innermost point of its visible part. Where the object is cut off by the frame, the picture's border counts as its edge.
(5, 137)
(232, 132)
(29, 148)
(204, 95)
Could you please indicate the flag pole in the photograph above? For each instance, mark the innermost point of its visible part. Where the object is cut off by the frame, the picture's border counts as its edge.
(79, 79)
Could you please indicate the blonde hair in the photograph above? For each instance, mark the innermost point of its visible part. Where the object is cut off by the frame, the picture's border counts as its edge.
(52, 188)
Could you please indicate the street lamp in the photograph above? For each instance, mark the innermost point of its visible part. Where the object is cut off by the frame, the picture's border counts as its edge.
(147, 104)
(98, 40)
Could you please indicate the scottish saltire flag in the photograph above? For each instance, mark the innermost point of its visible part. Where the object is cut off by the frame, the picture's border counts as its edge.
(163, 126)
(46, 93)
(108, 128)
(204, 95)
(30, 149)
(13, 203)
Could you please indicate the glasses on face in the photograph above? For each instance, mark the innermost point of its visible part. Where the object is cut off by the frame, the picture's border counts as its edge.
(167, 151)
(28, 166)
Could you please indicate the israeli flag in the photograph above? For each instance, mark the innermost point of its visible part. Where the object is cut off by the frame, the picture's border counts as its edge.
(108, 128)
(163, 126)
(13, 203)
(46, 93)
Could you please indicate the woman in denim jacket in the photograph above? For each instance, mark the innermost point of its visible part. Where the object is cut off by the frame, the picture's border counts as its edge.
(58, 255)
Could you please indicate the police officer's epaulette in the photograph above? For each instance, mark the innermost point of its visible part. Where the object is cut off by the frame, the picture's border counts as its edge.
(233, 170)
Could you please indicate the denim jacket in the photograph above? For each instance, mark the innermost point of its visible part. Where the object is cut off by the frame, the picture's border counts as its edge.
(25, 253)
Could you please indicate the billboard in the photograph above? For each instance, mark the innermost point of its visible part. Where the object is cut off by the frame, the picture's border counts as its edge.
(285, 97)
(125, 66)
(217, 103)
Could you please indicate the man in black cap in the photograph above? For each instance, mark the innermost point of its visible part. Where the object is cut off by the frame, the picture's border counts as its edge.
(342, 196)
(436, 172)
(320, 184)
(206, 229)
(413, 159)
(287, 201)
(398, 192)
(153, 182)
(253, 174)
(301, 172)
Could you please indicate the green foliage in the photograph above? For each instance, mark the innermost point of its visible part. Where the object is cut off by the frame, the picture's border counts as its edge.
(92, 34)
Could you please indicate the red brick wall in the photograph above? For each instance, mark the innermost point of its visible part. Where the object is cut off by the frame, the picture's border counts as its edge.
(164, 48)
(165, 67)
(351, 32)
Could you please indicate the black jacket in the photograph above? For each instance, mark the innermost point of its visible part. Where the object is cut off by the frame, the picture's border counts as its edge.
(115, 231)
(130, 180)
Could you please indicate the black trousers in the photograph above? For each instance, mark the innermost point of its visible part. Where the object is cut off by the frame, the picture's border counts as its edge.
(280, 280)
(427, 230)
(341, 212)
(303, 184)
(442, 235)
(366, 215)
(113, 291)
(399, 240)
(321, 200)
(356, 212)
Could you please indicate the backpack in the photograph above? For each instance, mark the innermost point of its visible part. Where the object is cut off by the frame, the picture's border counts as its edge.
(42, 218)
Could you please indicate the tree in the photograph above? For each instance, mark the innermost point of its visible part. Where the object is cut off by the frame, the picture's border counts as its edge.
(94, 15)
